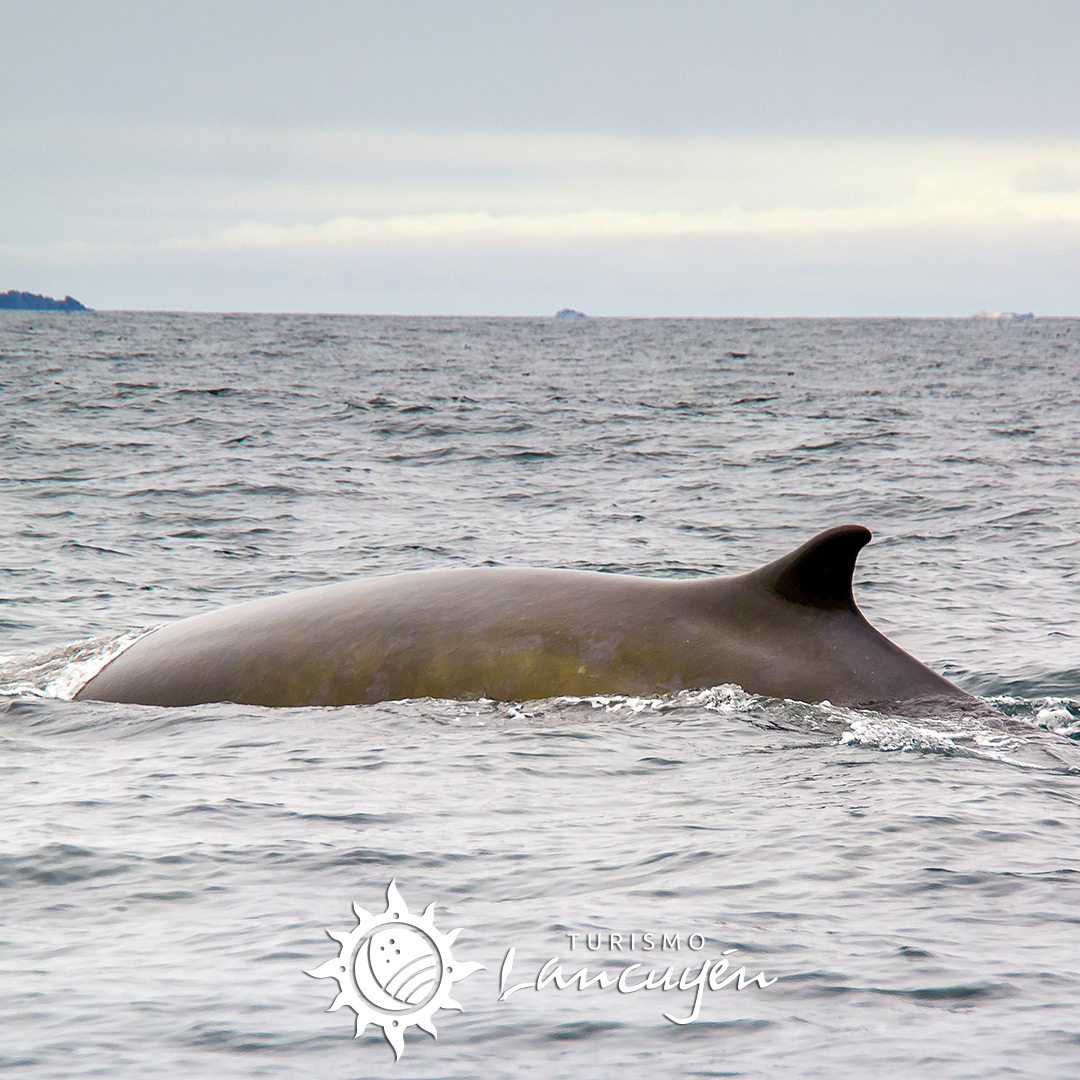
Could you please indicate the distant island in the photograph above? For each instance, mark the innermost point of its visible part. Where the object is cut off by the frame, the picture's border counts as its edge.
(13, 300)
(570, 313)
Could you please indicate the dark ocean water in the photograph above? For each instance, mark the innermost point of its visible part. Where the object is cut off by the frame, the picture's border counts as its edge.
(912, 884)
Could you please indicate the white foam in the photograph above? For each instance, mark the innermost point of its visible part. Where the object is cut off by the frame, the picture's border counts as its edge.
(894, 734)
(64, 672)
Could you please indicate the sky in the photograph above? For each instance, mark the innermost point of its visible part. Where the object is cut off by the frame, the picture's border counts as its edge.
(488, 157)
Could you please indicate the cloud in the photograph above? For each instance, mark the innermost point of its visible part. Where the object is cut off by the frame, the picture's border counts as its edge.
(190, 189)
(1050, 180)
(205, 214)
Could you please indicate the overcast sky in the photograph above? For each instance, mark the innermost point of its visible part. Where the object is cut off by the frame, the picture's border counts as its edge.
(479, 157)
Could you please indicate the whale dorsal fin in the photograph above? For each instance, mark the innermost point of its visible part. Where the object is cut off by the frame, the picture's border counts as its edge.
(819, 573)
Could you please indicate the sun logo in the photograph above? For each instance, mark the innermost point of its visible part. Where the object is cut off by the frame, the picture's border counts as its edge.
(395, 969)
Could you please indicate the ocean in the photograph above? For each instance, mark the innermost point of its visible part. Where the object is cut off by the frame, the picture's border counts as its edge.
(900, 893)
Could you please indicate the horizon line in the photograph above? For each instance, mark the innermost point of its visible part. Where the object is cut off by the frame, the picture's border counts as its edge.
(996, 317)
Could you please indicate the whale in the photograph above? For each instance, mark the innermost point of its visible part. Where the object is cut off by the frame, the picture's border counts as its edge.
(789, 629)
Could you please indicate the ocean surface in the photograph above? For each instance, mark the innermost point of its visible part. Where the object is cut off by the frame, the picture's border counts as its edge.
(906, 887)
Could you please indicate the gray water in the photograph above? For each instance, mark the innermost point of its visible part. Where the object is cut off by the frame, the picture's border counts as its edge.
(911, 883)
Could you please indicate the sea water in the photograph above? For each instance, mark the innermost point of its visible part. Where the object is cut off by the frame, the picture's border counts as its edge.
(906, 887)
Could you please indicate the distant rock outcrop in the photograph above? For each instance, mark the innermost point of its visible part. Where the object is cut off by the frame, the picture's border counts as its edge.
(570, 313)
(26, 301)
